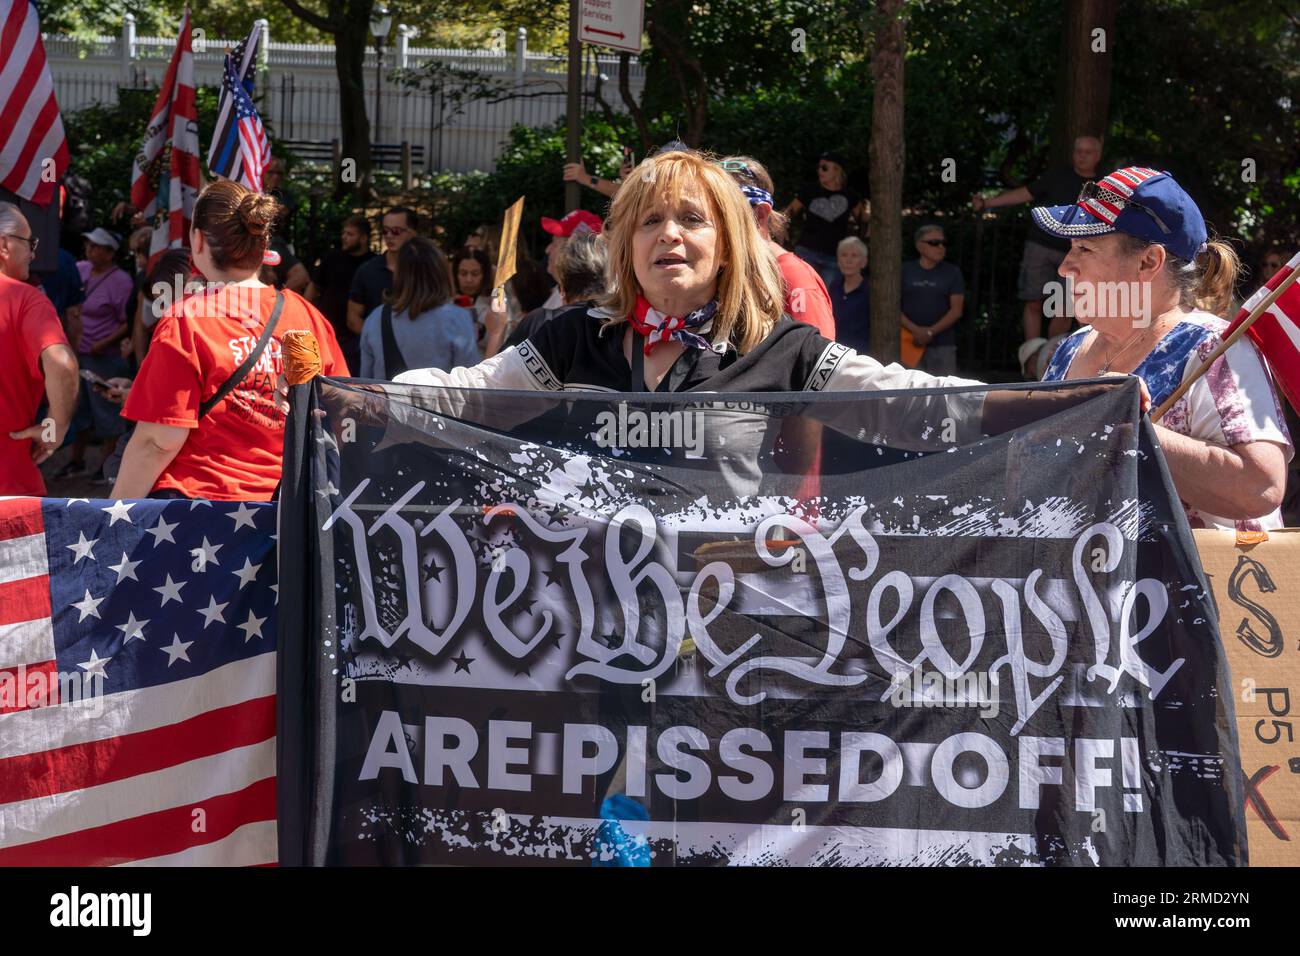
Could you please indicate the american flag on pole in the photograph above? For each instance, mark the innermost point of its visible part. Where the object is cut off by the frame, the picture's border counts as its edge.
(240, 149)
(174, 123)
(137, 682)
(1277, 331)
(29, 112)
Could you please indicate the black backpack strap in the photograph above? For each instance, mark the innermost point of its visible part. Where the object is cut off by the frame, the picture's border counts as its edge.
(246, 366)
(394, 361)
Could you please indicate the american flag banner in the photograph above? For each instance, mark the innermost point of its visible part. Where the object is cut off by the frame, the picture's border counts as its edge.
(240, 149)
(171, 143)
(1277, 331)
(34, 142)
(137, 682)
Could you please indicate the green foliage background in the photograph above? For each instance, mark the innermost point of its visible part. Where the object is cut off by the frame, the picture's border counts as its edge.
(1206, 89)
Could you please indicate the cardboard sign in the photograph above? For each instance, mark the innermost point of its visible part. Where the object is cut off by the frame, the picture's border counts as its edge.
(1257, 592)
(506, 253)
(612, 23)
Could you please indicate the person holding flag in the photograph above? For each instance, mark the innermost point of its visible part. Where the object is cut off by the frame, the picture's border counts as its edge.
(1152, 285)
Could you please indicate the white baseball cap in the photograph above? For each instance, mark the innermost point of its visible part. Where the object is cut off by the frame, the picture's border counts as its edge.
(102, 237)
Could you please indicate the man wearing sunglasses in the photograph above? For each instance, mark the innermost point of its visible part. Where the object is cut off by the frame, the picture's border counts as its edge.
(1059, 186)
(375, 277)
(934, 294)
(36, 363)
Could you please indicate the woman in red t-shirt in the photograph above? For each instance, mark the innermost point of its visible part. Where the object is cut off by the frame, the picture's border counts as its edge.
(235, 451)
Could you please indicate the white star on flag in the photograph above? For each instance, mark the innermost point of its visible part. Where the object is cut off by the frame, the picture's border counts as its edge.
(247, 573)
(171, 591)
(179, 650)
(82, 548)
(252, 627)
(88, 607)
(95, 666)
(132, 628)
(162, 531)
(200, 501)
(118, 511)
(208, 552)
(243, 516)
(213, 612)
(126, 569)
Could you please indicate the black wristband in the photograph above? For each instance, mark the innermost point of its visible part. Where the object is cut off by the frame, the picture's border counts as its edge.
(595, 180)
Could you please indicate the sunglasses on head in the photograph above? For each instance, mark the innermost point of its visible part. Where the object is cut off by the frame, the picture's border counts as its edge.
(738, 166)
(1101, 193)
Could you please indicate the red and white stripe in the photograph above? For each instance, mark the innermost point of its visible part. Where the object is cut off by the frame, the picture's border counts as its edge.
(1122, 182)
(34, 148)
(1277, 331)
(255, 150)
(175, 120)
(28, 672)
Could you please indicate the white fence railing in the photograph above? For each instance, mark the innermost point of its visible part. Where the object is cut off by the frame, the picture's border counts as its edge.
(298, 93)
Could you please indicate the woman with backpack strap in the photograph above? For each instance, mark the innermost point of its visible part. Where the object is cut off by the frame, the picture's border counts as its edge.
(418, 326)
(208, 425)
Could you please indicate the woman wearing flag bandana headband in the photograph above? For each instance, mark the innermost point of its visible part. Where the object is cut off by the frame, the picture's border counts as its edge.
(1151, 287)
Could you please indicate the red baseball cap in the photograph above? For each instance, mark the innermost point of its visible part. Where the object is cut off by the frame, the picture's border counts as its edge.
(577, 221)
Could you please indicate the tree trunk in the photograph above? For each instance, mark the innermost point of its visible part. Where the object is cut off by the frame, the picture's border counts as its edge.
(886, 239)
(348, 21)
(666, 23)
(1083, 88)
(349, 62)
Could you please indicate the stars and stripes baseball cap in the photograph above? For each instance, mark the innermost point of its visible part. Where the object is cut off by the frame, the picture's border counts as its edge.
(1136, 201)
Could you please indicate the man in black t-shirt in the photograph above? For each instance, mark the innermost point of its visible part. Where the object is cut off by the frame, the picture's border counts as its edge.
(328, 291)
(833, 212)
(372, 279)
(933, 298)
(1059, 186)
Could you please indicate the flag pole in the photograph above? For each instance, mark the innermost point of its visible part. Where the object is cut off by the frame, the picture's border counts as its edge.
(1264, 305)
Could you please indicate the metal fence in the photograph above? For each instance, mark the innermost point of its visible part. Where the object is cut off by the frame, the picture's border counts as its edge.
(299, 96)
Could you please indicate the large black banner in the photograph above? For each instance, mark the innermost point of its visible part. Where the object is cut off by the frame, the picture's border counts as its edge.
(923, 628)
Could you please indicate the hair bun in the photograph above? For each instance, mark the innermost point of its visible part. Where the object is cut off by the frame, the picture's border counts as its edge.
(257, 214)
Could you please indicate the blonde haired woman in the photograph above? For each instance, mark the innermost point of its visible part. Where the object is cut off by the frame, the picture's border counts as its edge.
(695, 304)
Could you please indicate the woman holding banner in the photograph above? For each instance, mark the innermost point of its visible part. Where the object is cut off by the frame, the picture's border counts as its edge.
(1152, 287)
(696, 305)
(691, 280)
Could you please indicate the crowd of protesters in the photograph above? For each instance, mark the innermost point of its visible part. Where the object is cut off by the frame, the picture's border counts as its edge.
(175, 379)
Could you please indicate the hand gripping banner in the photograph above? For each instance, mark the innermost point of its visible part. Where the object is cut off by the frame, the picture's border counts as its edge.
(593, 629)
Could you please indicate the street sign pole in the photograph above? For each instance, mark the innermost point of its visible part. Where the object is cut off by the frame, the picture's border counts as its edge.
(572, 190)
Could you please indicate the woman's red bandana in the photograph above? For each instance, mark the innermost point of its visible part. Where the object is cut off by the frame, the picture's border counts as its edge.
(658, 328)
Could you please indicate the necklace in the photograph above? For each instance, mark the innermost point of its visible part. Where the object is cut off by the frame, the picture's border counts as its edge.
(1106, 366)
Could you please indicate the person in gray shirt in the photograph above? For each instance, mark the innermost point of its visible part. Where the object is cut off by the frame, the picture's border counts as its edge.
(418, 326)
